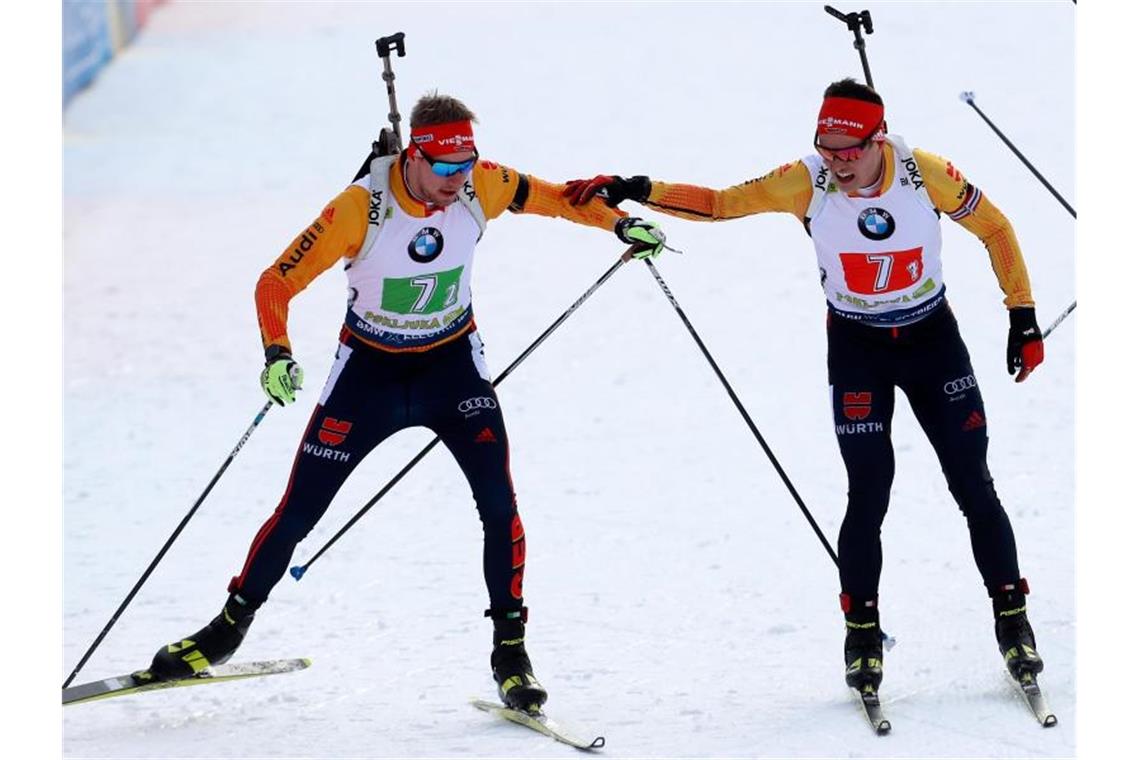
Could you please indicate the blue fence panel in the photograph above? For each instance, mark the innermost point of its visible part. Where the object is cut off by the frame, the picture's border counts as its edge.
(86, 43)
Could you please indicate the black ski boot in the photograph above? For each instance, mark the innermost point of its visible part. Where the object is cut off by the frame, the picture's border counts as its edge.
(510, 665)
(212, 645)
(1014, 634)
(863, 647)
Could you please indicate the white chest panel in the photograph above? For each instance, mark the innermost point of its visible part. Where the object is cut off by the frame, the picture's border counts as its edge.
(880, 258)
(412, 286)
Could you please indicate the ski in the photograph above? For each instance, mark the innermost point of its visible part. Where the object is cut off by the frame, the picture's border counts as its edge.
(1031, 691)
(540, 722)
(134, 683)
(873, 709)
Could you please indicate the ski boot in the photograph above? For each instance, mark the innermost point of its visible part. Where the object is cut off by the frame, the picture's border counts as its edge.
(1014, 634)
(863, 646)
(510, 665)
(212, 645)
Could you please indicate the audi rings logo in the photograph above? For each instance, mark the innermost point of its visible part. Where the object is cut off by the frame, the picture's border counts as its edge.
(960, 385)
(476, 404)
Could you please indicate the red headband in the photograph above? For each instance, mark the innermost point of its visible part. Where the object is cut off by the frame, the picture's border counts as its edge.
(848, 116)
(440, 139)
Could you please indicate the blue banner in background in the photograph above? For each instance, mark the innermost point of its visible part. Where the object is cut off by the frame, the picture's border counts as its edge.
(86, 43)
(94, 32)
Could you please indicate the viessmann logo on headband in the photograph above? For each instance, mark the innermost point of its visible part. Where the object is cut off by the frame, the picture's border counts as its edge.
(438, 139)
(833, 123)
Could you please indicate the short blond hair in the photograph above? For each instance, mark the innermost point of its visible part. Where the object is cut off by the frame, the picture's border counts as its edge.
(434, 108)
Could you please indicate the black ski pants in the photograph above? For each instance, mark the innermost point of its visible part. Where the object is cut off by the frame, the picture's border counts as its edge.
(371, 394)
(929, 362)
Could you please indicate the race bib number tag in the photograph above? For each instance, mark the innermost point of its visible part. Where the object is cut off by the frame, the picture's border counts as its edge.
(870, 273)
(422, 294)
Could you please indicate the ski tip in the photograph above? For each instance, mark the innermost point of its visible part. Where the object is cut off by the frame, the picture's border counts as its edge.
(297, 571)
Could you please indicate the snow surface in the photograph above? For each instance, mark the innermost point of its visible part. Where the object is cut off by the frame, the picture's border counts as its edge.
(680, 603)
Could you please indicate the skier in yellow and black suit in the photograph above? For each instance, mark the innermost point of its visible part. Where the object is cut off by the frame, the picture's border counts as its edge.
(409, 355)
(872, 207)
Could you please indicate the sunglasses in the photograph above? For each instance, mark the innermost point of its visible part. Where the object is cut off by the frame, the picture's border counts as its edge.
(448, 168)
(852, 153)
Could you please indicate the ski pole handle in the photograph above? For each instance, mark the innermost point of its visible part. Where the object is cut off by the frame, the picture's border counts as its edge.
(385, 45)
(856, 23)
(384, 48)
(853, 20)
(838, 14)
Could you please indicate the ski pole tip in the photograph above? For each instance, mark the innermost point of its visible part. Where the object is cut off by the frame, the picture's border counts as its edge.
(297, 571)
(889, 641)
(967, 96)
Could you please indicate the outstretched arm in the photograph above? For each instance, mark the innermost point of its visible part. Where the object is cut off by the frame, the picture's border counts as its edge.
(501, 188)
(786, 188)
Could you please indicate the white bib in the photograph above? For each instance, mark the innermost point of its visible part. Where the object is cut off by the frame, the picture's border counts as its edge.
(879, 258)
(412, 286)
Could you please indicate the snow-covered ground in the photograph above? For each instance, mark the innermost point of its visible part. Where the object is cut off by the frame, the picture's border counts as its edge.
(680, 604)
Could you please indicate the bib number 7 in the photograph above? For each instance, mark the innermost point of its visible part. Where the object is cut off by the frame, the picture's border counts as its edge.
(422, 294)
(882, 272)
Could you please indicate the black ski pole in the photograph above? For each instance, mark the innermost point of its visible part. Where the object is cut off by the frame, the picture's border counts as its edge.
(743, 413)
(857, 23)
(169, 542)
(888, 640)
(298, 571)
(1059, 320)
(968, 98)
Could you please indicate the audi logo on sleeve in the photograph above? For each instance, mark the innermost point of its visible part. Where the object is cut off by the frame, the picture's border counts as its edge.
(473, 406)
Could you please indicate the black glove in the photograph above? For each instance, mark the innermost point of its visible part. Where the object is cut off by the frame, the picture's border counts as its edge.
(1026, 347)
(610, 188)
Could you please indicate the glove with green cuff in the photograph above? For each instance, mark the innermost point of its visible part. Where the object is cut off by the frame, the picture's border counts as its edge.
(282, 376)
(647, 236)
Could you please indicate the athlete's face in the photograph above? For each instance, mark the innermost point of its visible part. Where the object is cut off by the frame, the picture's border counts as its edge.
(851, 173)
(430, 186)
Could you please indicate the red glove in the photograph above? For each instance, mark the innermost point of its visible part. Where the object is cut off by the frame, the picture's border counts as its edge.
(1025, 349)
(610, 188)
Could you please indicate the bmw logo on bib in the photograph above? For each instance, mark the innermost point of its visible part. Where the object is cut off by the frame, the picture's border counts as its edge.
(426, 245)
(876, 224)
